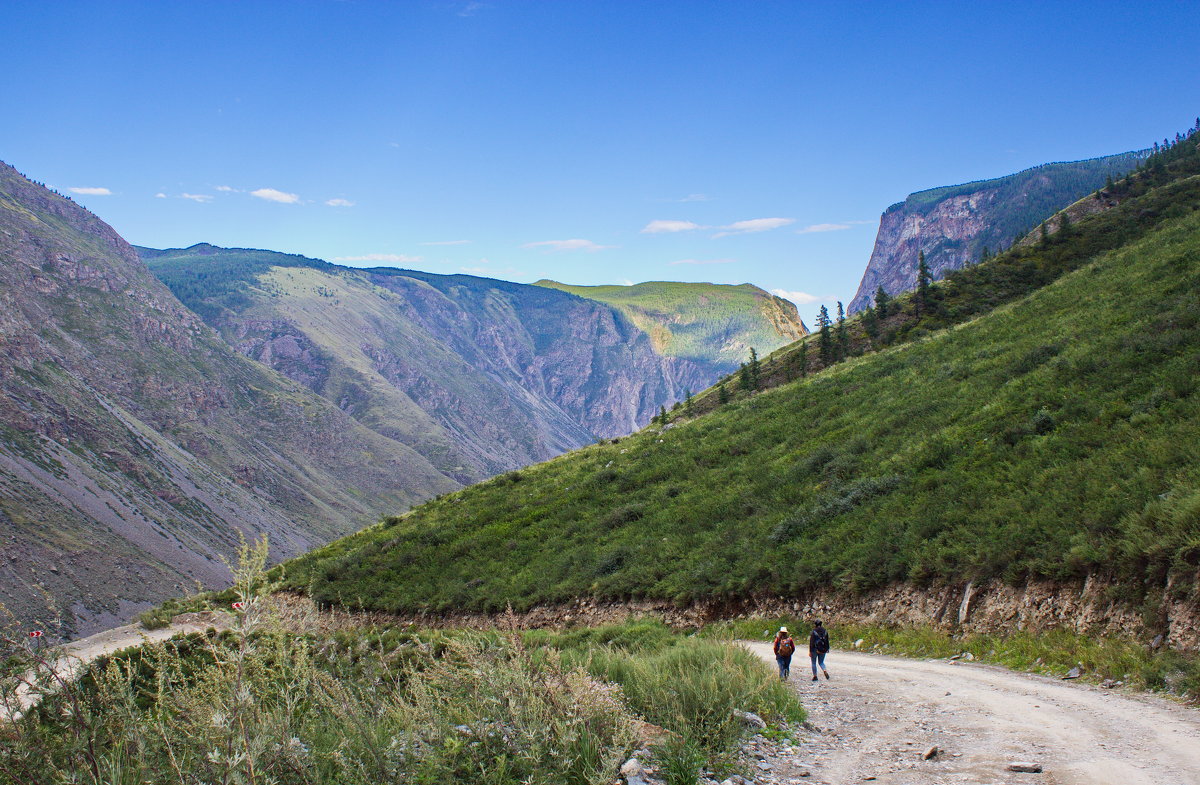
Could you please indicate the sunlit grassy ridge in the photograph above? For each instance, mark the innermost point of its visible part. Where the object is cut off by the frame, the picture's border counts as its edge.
(1057, 436)
(700, 321)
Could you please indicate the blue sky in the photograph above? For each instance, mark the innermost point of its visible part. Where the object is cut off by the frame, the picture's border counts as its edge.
(599, 142)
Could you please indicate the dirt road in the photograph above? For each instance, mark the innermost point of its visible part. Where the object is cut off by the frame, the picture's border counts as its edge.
(74, 655)
(878, 715)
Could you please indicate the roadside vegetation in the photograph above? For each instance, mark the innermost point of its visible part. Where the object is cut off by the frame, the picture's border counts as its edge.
(270, 701)
(1114, 661)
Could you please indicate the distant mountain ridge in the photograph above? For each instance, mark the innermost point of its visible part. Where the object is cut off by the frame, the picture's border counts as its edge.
(954, 224)
(478, 375)
(712, 324)
(135, 444)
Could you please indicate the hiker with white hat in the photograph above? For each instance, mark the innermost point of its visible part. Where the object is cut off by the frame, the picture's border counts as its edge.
(784, 647)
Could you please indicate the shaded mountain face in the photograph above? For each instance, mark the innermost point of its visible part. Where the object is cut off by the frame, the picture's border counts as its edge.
(712, 325)
(954, 225)
(480, 376)
(135, 444)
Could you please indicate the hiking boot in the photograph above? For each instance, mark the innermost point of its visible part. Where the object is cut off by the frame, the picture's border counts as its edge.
(814, 678)
(826, 675)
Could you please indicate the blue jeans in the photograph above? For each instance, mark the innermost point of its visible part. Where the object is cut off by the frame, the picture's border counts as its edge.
(785, 665)
(817, 659)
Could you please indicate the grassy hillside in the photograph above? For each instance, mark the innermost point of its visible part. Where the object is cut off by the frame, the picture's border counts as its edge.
(1058, 436)
(710, 323)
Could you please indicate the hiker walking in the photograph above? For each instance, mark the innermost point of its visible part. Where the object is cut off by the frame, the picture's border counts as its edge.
(784, 648)
(818, 647)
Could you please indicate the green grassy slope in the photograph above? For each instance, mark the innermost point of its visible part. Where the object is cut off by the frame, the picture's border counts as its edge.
(711, 323)
(1056, 436)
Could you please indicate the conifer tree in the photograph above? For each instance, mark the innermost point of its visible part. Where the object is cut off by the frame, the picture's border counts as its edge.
(803, 358)
(1045, 233)
(1064, 225)
(882, 303)
(687, 402)
(662, 414)
(722, 394)
(870, 322)
(744, 377)
(921, 300)
(824, 339)
(843, 338)
(754, 369)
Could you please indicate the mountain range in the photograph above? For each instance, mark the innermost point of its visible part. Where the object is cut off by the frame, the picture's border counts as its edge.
(140, 436)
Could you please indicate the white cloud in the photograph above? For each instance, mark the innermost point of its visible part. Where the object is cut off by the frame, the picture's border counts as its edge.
(272, 195)
(484, 269)
(626, 282)
(663, 226)
(392, 258)
(822, 228)
(472, 8)
(226, 189)
(568, 245)
(196, 197)
(91, 191)
(447, 242)
(704, 261)
(339, 203)
(802, 298)
(160, 195)
(831, 227)
(753, 225)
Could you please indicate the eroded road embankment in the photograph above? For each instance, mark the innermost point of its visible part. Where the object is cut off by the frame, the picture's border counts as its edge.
(878, 715)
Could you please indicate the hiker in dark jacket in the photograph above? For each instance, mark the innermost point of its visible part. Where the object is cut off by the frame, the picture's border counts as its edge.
(784, 647)
(818, 646)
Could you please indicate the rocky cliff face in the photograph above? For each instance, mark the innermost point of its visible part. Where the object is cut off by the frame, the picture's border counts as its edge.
(955, 224)
(479, 376)
(135, 445)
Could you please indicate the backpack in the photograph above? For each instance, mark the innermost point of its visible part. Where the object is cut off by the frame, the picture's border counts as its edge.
(787, 647)
(821, 645)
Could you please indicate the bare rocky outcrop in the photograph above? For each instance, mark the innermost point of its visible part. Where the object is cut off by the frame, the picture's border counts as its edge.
(953, 225)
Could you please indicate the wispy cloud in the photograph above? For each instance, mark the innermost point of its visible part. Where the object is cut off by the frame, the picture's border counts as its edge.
(160, 195)
(472, 8)
(666, 226)
(390, 258)
(339, 202)
(568, 245)
(273, 195)
(704, 261)
(802, 298)
(484, 268)
(822, 228)
(225, 189)
(447, 242)
(196, 197)
(837, 227)
(695, 198)
(753, 226)
(89, 191)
